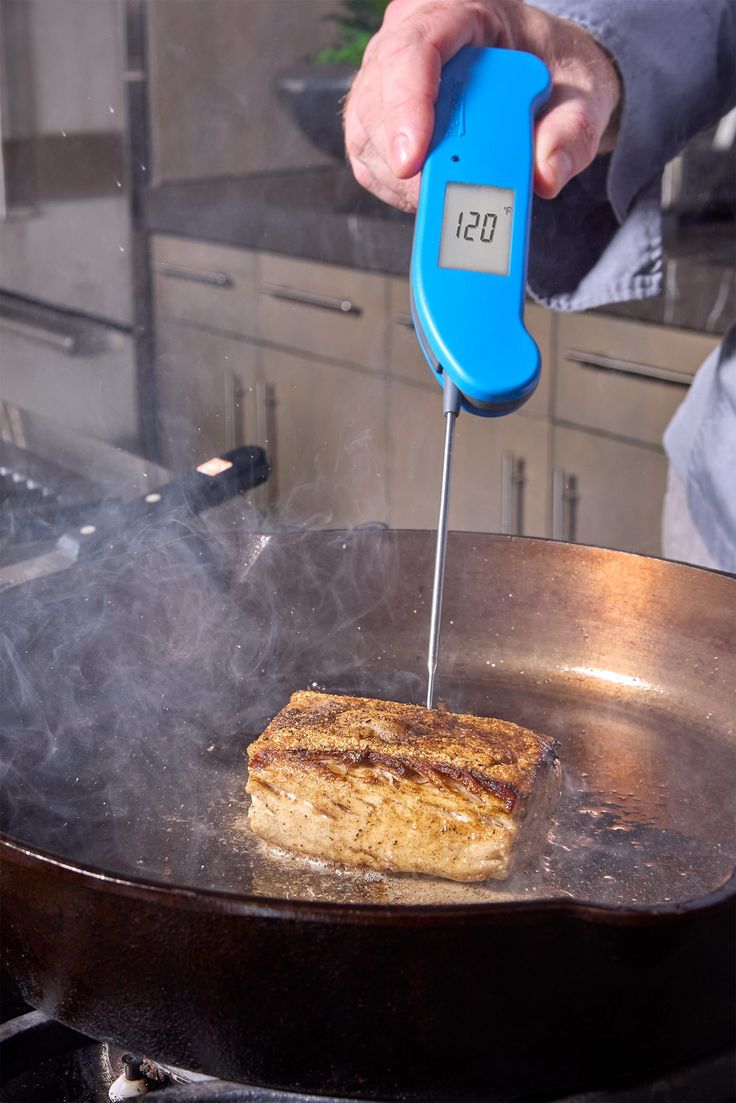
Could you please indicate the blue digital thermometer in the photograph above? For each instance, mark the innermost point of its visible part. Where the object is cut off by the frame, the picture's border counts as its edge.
(471, 237)
(468, 267)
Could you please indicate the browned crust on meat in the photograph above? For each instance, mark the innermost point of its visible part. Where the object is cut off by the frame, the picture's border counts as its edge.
(495, 760)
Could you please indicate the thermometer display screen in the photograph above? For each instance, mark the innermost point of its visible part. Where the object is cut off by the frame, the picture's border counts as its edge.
(476, 228)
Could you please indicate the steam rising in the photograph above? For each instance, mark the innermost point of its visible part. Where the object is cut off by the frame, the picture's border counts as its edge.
(131, 687)
(126, 684)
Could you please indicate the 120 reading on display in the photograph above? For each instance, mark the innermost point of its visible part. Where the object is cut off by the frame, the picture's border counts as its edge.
(476, 228)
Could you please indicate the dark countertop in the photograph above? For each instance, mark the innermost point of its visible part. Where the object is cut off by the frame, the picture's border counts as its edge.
(322, 214)
(319, 214)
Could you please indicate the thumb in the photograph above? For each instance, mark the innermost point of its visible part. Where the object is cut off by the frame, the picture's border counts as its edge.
(567, 140)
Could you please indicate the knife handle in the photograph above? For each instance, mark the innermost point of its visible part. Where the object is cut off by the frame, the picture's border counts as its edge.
(145, 520)
(211, 484)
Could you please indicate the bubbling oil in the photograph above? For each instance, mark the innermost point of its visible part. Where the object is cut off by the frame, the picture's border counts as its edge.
(639, 819)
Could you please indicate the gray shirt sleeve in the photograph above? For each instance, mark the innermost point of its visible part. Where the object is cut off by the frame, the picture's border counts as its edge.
(600, 240)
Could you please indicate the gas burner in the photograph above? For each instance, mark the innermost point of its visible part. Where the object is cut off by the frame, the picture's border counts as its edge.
(45, 1062)
(42, 1061)
(139, 1077)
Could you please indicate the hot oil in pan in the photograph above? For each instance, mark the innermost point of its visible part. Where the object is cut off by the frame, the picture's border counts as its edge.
(639, 819)
(123, 728)
(631, 825)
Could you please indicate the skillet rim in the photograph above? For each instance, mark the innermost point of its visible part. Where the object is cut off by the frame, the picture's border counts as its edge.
(266, 907)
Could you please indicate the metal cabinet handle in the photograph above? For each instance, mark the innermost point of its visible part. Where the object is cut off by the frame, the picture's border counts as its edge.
(64, 342)
(234, 413)
(261, 426)
(513, 480)
(627, 367)
(4, 198)
(265, 428)
(404, 319)
(565, 500)
(309, 298)
(195, 275)
(254, 425)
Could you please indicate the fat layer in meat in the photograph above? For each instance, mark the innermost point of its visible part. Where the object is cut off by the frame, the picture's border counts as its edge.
(396, 787)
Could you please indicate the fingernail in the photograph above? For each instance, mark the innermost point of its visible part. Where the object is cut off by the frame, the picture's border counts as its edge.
(561, 165)
(400, 150)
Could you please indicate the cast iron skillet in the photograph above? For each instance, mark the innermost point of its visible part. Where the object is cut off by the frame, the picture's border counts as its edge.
(138, 908)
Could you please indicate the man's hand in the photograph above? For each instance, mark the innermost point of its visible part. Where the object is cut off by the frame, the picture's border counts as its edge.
(389, 115)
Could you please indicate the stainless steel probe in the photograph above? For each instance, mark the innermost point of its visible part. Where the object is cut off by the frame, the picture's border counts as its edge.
(451, 408)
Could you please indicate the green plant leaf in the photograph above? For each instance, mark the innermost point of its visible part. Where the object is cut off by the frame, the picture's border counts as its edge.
(357, 22)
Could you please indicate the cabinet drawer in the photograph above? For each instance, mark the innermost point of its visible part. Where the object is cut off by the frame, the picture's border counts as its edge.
(617, 494)
(499, 481)
(622, 377)
(212, 285)
(406, 360)
(331, 312)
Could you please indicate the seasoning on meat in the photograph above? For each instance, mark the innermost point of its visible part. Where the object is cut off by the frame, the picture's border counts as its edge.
(396, 787)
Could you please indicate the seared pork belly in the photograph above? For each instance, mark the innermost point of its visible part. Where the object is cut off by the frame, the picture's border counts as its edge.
(395, 787)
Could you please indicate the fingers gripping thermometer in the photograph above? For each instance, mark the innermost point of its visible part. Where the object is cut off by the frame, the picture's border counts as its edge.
(471, 237)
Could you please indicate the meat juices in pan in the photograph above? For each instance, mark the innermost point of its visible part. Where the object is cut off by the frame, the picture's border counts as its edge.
(399, 787)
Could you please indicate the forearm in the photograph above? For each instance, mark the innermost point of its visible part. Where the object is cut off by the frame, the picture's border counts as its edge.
(600, 240)
(677, 62)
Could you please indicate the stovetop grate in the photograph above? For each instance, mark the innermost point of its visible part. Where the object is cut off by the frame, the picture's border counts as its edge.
(42, 1061)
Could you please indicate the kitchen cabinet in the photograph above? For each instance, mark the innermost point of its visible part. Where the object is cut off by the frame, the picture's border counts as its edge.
(333, 312)
(499, 481)
(213, 68)
(319, 364)
(500, 466)
(212, 285)
(618, 384)
(654, 347)
(322, 422)
(326, 438)
(607, 492)
(206, 387)
(624, 378)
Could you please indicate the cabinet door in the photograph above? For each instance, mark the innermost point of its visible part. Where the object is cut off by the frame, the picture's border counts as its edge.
(205, 284)
(624, 378)
(613, 489)
(326, 439)
(328, 311)
(214, 67)
(204, 380)
(499, 479)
